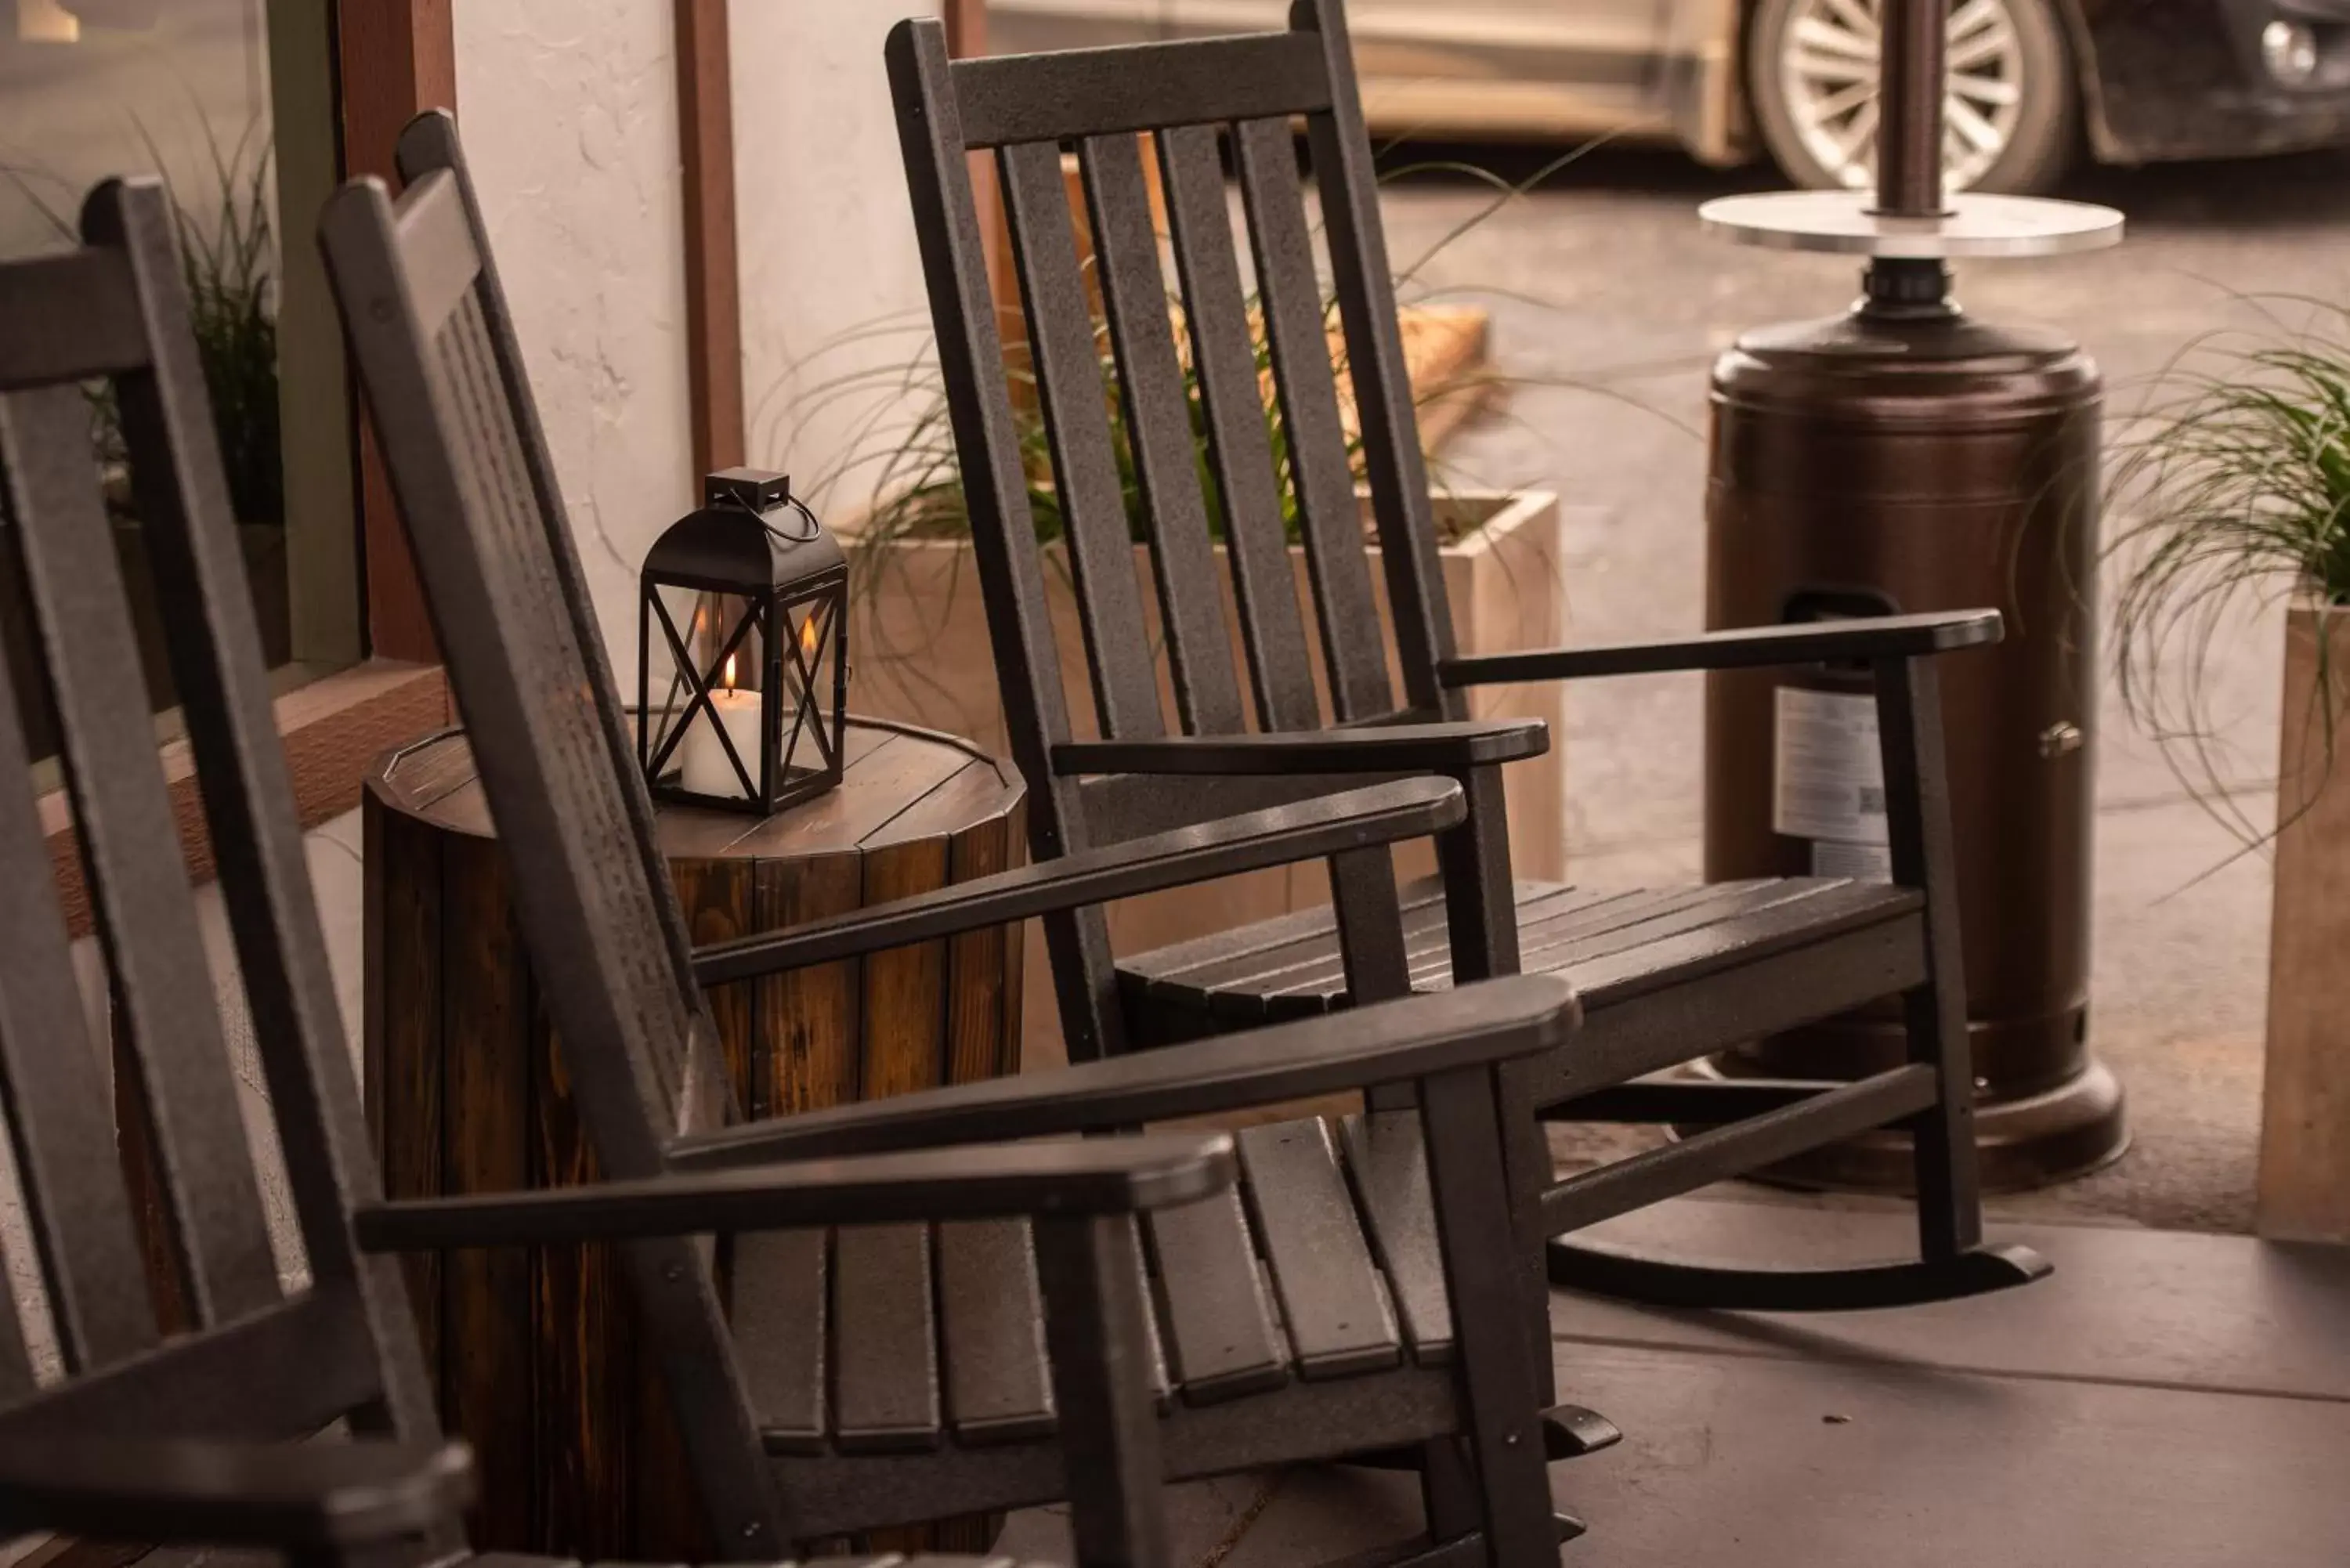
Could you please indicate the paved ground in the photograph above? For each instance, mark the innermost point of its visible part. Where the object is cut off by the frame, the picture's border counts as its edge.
(1611, 305)
(2163, 1400)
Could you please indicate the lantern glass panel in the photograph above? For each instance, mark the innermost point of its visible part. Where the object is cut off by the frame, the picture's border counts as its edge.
(705, 672)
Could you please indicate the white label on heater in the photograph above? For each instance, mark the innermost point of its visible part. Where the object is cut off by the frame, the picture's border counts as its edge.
(1828, 777)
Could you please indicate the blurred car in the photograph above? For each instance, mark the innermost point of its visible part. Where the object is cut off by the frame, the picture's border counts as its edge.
(2034, 84)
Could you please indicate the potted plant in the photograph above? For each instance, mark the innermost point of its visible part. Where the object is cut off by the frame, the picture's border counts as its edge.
(2238, 484)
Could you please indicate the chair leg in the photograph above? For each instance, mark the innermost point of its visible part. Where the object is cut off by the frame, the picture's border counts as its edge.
(1918, 822)
(1486, 1279)
(1096, 1331)
(1447, 1490)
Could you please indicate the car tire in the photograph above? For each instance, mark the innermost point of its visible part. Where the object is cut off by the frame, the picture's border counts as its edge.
(1788, 92)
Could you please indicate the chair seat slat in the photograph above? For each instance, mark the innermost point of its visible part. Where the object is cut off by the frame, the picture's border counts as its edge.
(1159, 432)
(885, 1357)
(1155, 1372)
(780, 1297)
(164, 985)
(1332, 1299)
(1085, 465)
(1240, 448)
(1321, 477)
(999, 1384)
(1387, 1156)
(1219, 1330)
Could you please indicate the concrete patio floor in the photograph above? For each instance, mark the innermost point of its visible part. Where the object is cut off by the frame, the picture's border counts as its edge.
(2164, 1400)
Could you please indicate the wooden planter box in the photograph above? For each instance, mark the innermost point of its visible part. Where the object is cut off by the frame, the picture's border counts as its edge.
(2304, 1166)
(919, 652)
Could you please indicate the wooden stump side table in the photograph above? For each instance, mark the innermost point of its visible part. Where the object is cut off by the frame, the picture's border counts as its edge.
(535, 1348)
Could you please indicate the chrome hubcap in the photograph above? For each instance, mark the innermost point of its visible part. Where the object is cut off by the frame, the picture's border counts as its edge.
(1827, 69)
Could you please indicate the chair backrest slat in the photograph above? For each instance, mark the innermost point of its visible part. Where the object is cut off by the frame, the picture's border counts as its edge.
(68, 318)
(1385, 420)
(165, 1007)
(428, 145)
(1239, 445)
(245, 1356)
(434, 347)
(996, 495)
(1158, 430)
(437, 243)
(61, 1127)
(1092, 92)
(250, 813)
(520, 667)
(1069, 385)
(1274, 460)
(1321, 480)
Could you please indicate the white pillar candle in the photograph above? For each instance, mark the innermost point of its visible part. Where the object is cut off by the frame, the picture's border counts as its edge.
(706, 769)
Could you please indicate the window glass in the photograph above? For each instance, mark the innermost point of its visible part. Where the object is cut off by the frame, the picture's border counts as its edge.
(184, 90)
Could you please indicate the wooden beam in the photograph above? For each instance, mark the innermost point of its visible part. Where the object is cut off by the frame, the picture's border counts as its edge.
(966, 22)
(713, 305)
(399, 58)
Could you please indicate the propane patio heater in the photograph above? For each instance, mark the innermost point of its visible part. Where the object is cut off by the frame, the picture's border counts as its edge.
(1906, 456)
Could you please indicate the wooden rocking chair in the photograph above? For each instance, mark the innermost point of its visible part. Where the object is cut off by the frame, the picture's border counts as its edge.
(184, 1378)
(837, 1400)
(1666, 975)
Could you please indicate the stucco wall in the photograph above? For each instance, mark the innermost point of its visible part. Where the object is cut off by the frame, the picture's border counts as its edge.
(569, 113)
(832, 285)
(569, 109)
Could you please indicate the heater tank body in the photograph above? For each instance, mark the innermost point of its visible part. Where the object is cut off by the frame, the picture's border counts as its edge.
(1866, 465)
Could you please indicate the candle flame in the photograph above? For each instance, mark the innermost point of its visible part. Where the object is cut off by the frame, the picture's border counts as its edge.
(807, 635)
(729, 676)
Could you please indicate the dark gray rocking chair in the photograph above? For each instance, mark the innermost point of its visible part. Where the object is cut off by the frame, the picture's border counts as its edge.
(1666, 976)
(186, 1377)
(901, 1372)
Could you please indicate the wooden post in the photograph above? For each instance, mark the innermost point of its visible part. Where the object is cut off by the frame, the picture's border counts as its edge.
(399, 58)
(2304, 1166)
(714, 306)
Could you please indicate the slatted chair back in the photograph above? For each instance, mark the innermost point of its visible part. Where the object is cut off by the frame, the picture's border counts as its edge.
(452, 403)
(167, 1309)
(1195, 98)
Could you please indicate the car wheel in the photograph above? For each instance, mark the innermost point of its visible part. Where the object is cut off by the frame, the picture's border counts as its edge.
(2014, 107)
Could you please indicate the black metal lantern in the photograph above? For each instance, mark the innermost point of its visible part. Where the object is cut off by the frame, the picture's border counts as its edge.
(742, 651)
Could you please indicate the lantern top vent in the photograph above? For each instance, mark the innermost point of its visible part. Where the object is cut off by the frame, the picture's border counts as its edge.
(750, 534)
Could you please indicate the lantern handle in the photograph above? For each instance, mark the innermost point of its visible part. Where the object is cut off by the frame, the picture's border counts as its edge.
(734, 498)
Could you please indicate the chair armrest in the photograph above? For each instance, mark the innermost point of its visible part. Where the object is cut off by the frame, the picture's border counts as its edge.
(1306, 830)
(1807, 642)
(1093, 1176)
(1435, 747)
(1387, 1042)
(289, 1496)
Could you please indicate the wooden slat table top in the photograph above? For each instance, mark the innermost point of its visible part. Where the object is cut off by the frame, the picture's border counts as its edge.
(897, 783)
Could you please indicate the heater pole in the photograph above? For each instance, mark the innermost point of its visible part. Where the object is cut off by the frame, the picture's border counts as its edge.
(1915, 61)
